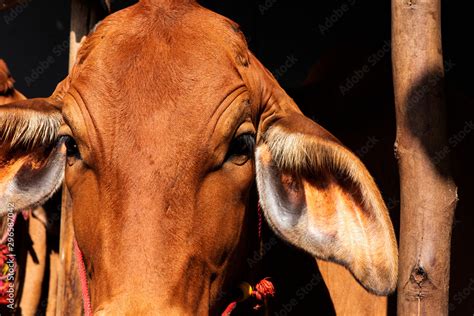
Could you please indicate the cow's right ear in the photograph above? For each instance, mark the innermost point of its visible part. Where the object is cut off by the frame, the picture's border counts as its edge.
(318, 196)
(32, 159)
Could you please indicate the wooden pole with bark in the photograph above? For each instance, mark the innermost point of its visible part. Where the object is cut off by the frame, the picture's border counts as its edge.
(428, 193)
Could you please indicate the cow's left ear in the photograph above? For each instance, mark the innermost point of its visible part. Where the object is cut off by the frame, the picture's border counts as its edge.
(32, 159)
(318, 196)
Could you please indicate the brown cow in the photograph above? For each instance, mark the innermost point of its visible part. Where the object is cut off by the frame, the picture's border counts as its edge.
(157, 125)
(36, 274)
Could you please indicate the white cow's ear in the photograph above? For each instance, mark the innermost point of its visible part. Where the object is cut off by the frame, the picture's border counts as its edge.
(318, 196)
(31, 159)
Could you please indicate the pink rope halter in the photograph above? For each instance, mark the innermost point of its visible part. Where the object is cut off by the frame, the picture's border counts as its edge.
(86, 298)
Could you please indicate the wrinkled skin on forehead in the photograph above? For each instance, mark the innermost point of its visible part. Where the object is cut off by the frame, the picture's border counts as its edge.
(159, 117)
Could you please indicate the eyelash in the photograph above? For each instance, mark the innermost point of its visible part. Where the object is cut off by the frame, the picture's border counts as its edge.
(241, 146)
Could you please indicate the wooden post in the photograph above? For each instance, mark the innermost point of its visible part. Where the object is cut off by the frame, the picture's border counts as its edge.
(84, 15)
(347, 295)
(428, 193)
(69, 299)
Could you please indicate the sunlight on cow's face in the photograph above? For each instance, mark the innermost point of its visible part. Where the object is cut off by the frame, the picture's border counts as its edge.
(164, 132)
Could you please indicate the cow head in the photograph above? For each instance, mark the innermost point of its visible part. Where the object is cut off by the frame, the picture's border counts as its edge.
(162, 127)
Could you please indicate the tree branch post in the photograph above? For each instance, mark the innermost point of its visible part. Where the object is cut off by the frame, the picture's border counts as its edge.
(428, 192)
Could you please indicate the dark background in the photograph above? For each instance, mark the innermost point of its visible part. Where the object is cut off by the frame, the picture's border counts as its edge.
(317, 52)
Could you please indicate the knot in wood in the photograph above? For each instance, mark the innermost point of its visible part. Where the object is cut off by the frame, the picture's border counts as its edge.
(419, 275)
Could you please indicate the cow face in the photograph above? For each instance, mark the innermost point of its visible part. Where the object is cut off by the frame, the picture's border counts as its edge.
(161, 128)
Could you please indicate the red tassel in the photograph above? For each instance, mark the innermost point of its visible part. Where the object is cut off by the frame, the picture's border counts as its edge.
(264, 288)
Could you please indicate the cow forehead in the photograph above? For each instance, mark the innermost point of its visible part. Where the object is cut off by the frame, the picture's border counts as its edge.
(147, 61)
(163, 54)
(149, 74)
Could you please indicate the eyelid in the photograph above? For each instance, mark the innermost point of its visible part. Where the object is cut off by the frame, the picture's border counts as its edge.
(245, 128)
(65, 130)
(241, 158)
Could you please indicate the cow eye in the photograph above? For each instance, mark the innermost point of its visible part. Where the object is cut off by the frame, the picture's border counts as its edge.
(72, 150)
(241, 148)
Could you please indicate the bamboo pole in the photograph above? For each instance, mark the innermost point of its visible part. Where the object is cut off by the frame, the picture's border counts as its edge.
(428, 193)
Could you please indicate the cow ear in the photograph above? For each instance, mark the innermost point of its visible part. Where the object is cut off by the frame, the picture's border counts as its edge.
(318, 196)
(31, 159)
